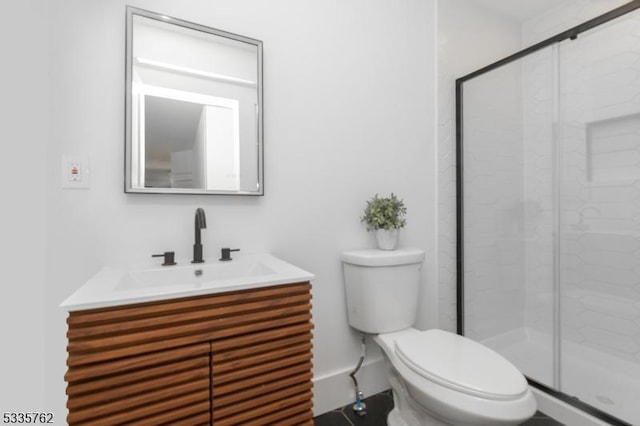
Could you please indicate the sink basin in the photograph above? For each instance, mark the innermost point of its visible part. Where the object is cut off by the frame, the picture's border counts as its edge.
(195, 274)
(122, 285)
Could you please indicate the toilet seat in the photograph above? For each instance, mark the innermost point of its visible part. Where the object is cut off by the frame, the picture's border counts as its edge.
(443, 396)
(460, 364)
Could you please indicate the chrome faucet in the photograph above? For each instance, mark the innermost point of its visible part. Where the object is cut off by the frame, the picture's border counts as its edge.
(200, 223)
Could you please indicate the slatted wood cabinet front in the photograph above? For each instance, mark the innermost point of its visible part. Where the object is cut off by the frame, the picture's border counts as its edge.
(236, 358)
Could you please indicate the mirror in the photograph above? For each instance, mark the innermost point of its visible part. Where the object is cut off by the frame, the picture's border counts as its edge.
(193, 108)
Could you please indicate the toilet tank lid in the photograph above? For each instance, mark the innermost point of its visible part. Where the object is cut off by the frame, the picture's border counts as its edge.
(372, 257)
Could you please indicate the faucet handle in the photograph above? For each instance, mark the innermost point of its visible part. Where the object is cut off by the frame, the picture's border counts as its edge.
(169, 258)
(225, 253)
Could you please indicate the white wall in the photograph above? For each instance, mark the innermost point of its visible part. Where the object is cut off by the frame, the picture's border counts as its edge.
(23, 131)
(349, 112)
(469, 37)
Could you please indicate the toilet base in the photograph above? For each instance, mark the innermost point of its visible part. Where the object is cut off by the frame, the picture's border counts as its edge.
(407, 412)
(394, 419)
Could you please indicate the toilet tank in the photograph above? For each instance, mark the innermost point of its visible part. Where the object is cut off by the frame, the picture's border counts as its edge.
(382, 288)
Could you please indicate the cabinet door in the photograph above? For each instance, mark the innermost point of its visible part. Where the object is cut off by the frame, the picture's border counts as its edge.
(164, 387)
(261, 363)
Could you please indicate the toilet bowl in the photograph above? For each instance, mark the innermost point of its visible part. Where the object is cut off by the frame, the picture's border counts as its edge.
(437, 377)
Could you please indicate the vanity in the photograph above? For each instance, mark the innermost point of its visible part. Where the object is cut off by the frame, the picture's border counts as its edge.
(224, 343)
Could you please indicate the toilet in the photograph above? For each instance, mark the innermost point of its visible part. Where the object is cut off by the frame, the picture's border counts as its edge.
(436, 377)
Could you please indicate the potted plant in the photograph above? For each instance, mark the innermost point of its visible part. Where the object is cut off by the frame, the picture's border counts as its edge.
(385, 216)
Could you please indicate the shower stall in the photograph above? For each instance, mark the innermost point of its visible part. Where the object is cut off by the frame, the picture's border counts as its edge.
(548, 180)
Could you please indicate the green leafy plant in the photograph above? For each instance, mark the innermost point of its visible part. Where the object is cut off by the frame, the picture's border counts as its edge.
(384, 213)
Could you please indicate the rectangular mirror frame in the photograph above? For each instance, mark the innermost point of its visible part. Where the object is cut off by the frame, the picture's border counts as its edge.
(128, 187)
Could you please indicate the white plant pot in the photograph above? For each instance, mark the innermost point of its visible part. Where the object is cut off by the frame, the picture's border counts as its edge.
(387, 238)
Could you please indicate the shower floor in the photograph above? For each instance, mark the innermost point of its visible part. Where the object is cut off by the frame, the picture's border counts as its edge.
(606, 382)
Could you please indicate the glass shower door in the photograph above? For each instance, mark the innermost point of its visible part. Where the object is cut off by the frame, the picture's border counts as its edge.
(509, 213)
(550, 214)
(599, 111)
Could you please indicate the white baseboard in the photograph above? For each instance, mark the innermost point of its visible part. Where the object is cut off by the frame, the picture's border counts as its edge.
(336, 389)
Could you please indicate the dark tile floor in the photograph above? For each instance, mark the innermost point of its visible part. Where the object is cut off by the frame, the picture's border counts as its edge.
(379, 405)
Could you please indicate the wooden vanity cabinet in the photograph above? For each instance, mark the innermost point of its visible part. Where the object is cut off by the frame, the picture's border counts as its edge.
(234, 358)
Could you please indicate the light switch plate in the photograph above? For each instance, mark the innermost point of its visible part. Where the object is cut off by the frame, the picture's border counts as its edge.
(75, 172)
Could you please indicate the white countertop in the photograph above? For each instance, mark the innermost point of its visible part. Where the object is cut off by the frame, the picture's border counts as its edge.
(116, 286)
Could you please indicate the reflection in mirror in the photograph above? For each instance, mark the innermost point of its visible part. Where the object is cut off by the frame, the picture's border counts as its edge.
(194, 108)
